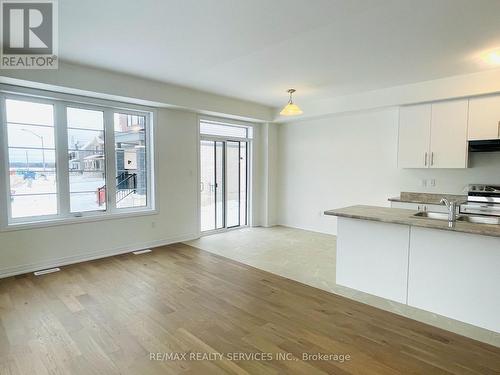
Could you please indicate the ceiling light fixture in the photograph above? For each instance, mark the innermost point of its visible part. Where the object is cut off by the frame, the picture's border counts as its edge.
(291, 109)
(491, 57)
(494, 57)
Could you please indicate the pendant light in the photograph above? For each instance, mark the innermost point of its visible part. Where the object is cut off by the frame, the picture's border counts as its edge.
(291, 109)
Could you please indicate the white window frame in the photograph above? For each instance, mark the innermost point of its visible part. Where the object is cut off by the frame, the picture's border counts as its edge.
(60, 102)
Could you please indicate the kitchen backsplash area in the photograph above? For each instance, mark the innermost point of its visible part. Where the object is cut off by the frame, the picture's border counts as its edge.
(484, 168)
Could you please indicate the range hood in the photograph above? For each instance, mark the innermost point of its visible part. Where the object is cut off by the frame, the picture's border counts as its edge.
(488, 145)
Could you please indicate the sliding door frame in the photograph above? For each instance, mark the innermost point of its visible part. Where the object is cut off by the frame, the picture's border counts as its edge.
(248, 141)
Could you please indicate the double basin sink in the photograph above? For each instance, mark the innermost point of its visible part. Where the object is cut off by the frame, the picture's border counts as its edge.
(461, 218)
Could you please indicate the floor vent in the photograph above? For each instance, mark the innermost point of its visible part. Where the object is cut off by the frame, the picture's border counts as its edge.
(142, 252)
(44, 272)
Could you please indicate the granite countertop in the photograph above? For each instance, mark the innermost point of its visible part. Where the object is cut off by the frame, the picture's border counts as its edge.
(427, 198)
(403, 216)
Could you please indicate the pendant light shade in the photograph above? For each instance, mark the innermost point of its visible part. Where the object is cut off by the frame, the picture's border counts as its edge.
(291, 109)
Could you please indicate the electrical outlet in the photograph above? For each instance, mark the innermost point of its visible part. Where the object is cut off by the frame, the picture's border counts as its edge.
(153, 224)
(433, 182)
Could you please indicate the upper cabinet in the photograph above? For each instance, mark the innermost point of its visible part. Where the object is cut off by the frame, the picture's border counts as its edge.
(414, 136)
(484, 118)
(449, 134)
(433, 135)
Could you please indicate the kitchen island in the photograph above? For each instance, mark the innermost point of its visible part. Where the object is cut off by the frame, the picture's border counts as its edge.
(425, 263)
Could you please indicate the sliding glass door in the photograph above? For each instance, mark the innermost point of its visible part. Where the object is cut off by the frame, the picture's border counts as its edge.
(236, 185)
(223, 187)
(212, 185)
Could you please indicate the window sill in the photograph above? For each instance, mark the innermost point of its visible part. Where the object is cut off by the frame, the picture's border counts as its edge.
(71, 220)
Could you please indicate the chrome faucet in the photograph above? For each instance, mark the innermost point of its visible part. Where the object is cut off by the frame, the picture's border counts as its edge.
(452, 210)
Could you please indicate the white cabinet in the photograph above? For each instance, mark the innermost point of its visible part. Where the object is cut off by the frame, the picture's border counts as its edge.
(484, 118)
(414, 136)
(433, 135)
(455, 275)
(445, 272)
(373, 257)
(449, 134)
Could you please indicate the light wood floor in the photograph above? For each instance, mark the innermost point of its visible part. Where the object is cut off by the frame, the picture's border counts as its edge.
(106, 316)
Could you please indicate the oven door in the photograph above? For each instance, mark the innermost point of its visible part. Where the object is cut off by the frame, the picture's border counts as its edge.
(480, 208)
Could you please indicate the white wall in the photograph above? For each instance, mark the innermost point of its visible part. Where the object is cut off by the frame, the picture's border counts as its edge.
(177, 144)
(268, 175)
(351, 159)
(272, 157)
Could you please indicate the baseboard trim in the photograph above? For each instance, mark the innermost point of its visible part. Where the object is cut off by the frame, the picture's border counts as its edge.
(65, 261)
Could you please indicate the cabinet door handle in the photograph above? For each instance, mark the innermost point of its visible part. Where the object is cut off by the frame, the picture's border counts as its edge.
(425, 158)
(432, 158)
(498, 129)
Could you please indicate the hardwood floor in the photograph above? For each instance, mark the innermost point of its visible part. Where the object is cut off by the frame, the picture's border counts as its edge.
(110, 316)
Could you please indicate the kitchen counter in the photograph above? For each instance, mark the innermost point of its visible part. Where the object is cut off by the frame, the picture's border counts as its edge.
(405, 217)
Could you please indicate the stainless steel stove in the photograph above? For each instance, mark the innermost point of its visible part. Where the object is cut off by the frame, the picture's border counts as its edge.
(482, 200)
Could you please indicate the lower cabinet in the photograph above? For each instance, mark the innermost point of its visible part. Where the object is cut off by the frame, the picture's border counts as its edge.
(456, 275)
(453, 274)
(373, 257)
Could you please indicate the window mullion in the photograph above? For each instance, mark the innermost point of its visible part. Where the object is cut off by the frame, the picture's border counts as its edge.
(150, 162)
(4, 169)
(62, 162)
(110, 160)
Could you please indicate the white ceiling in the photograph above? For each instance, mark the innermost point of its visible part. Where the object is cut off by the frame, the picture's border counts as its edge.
(256, 49)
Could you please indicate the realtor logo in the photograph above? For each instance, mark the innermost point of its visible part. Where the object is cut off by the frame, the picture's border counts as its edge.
(28, 34)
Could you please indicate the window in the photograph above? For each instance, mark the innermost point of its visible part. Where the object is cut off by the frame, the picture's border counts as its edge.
(132, 120)
(87, 167)
(131, 164)
(225, 130)
(70, 160)
(31, 156)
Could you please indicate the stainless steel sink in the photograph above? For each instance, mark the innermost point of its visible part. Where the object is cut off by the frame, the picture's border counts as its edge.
(480, 219)
(432, 215)
(462, 218)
